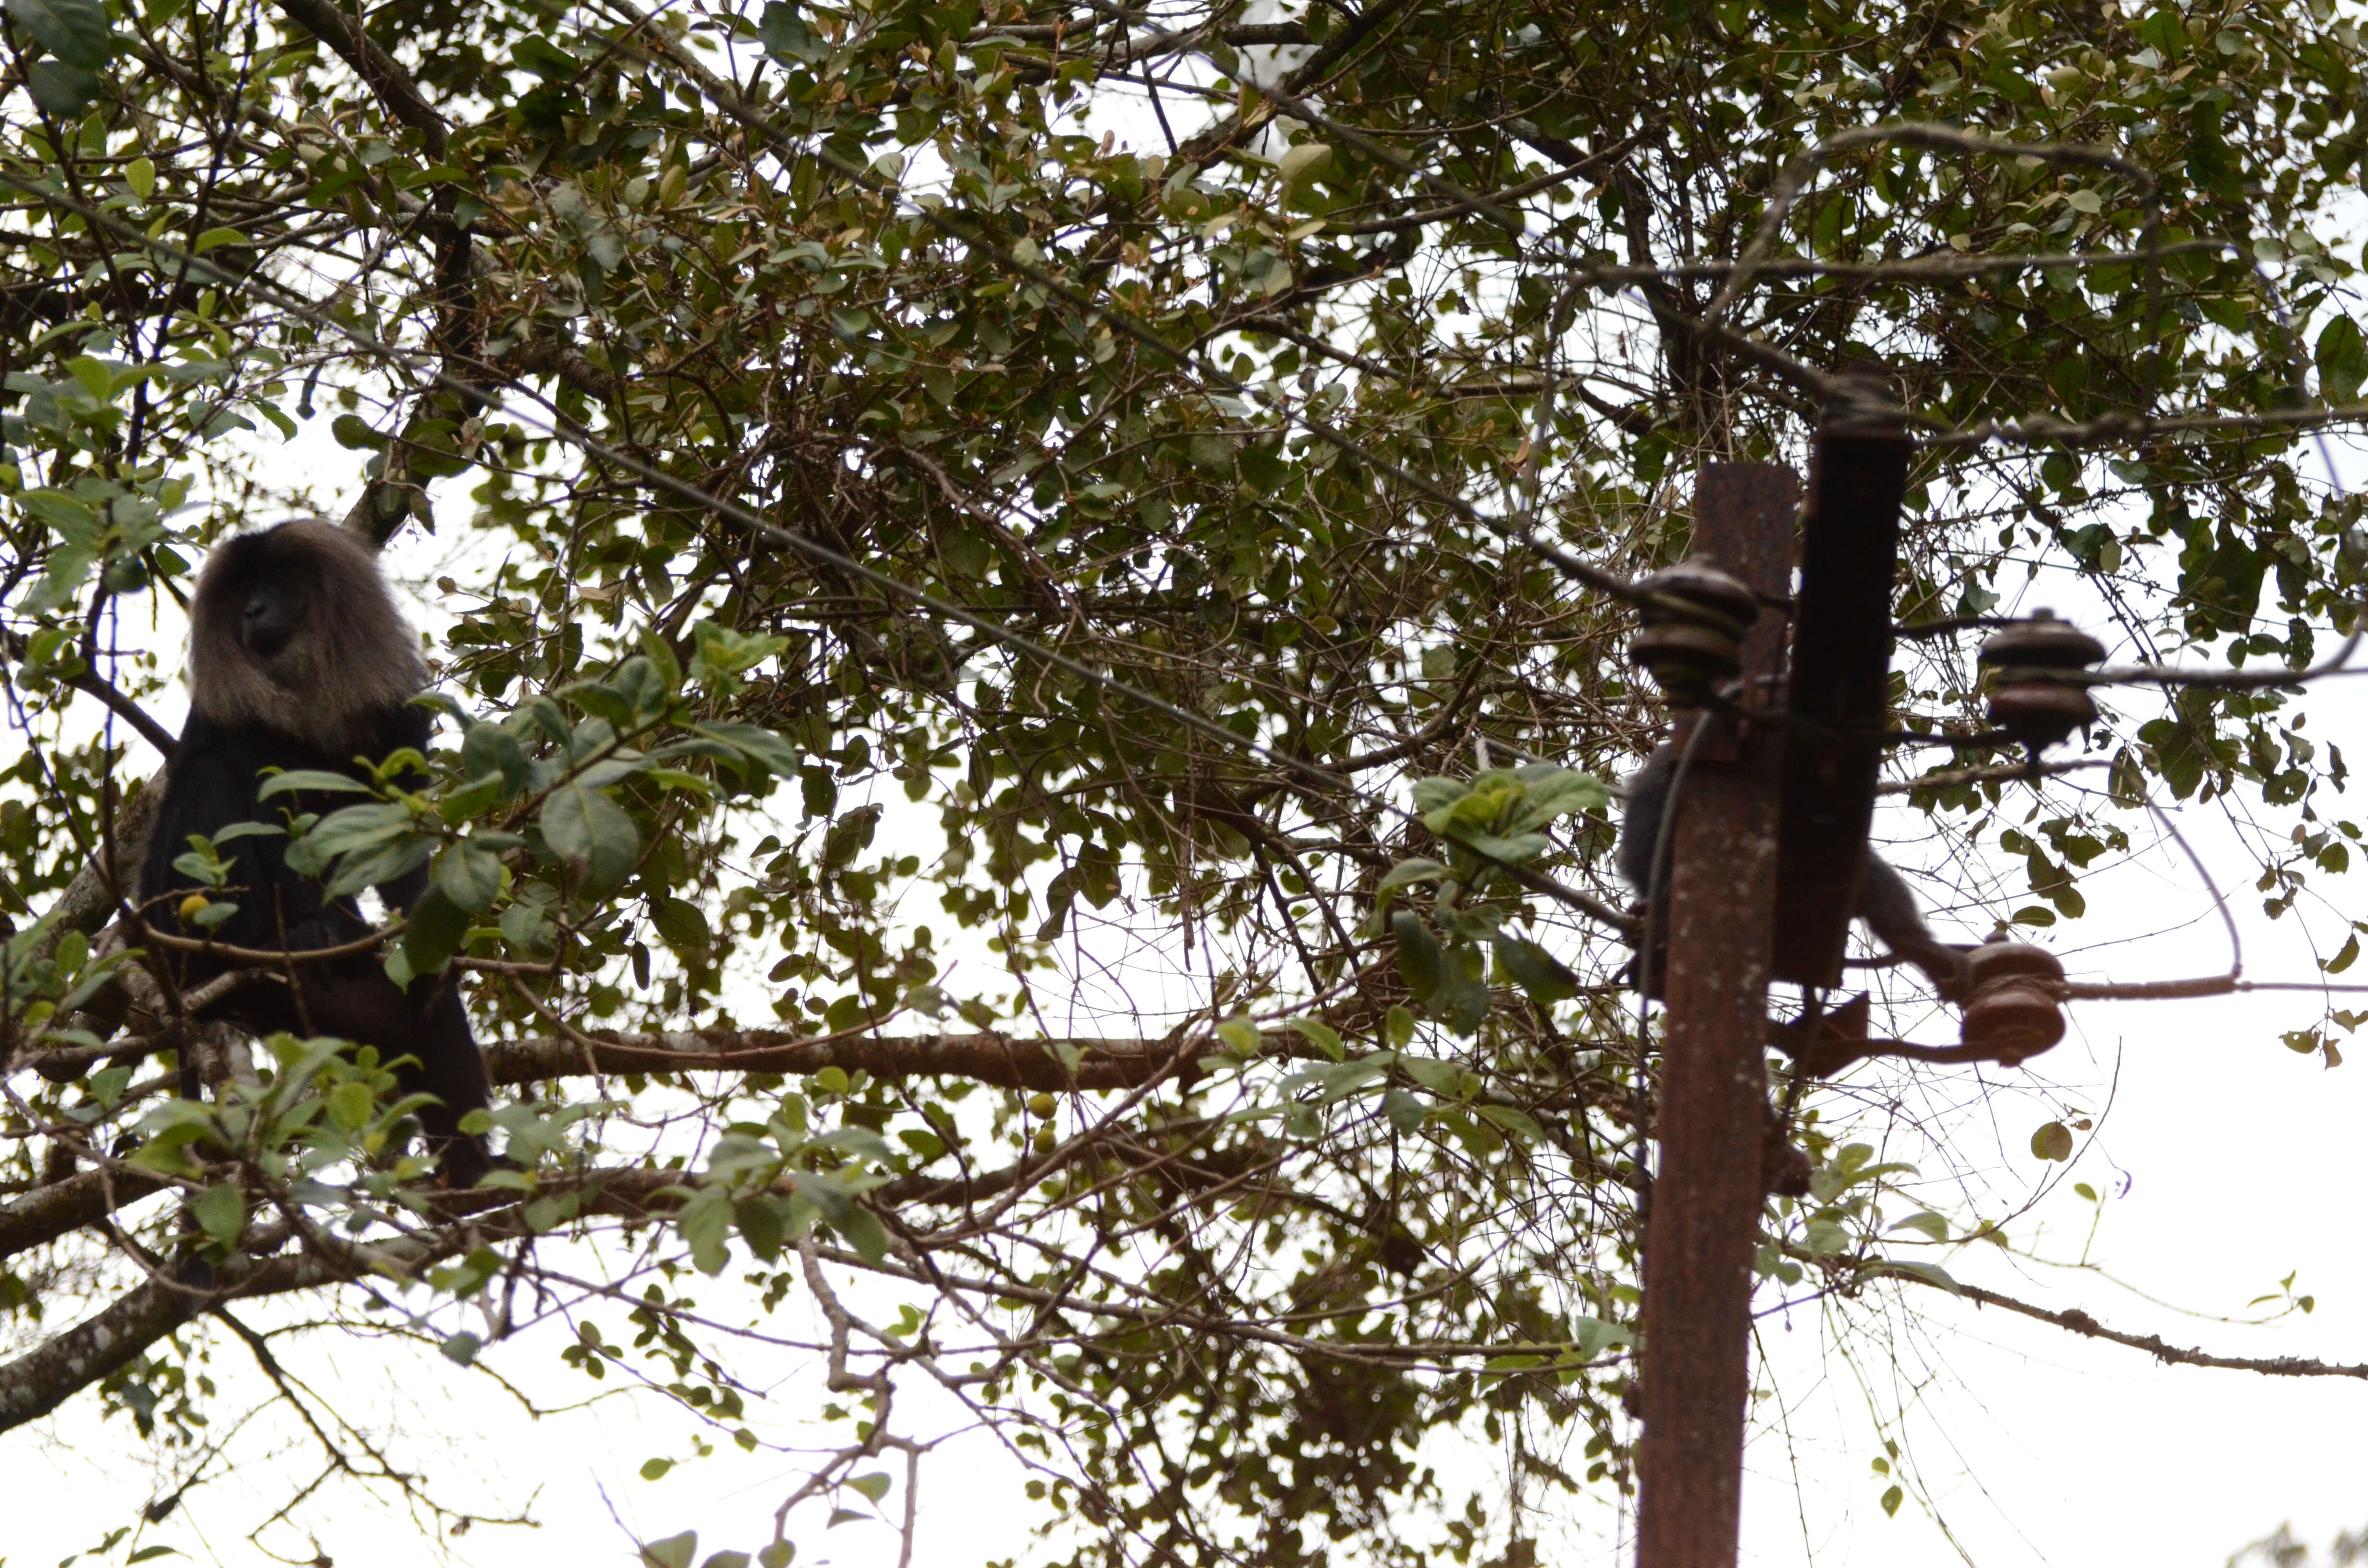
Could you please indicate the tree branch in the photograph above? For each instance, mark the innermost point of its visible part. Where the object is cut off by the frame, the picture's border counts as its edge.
(89, 683)
(2080, 1323)
(60, 1208)
(378, 70)
(986, 1058)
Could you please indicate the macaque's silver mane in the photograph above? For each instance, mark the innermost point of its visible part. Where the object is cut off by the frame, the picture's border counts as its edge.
(350, 659)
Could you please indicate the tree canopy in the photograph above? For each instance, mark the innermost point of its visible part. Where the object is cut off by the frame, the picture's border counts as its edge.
(1032, 660)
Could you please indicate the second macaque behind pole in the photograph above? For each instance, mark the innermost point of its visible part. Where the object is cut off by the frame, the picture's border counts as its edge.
(1886, 902)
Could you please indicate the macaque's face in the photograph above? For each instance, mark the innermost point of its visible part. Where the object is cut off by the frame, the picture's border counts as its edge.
(266, 620)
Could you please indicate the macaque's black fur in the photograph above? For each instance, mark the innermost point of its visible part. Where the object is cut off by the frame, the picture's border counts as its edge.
(1886, 903)
(299, 659)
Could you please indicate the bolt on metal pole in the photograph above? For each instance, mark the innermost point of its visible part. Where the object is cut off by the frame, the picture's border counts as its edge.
(1712, 1120)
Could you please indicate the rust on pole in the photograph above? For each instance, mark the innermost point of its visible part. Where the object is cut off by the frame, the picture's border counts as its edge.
(1840, 684)
(1713, 1093)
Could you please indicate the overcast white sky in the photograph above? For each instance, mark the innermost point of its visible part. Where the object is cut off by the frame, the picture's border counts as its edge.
(2228, 1162)
(2022, 1444)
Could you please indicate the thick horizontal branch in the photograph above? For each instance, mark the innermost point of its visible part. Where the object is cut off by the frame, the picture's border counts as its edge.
(40, 1381)
(45, 1378)
(62, 1207)
(48, 1212)
(986, 1058)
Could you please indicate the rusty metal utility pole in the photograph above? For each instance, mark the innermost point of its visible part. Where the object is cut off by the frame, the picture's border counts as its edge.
(1838, 687)
(1713, 1101)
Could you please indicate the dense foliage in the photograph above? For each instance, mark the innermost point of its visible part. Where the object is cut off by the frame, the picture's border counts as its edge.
(972, 519)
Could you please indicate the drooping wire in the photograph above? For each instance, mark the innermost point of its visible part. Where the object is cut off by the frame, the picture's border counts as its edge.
(1657, 904)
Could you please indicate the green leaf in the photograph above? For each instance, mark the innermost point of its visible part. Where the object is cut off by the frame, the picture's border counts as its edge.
(646, 691)
(2052, 1141)
(165, 1159)
(1435, 795)
(470, 877)
(63, 90)
(354, 435)
(705, 1223)
(213, 916)
(312, 779)
(874, 1485)
(491, 749)
(1932, 1224)
(1558, 792)
(475, 798)
(433, 931)
(2342, 359)
(759, 744)
(545, 59)
(682, 925)
(348, 830)
(761, 1225)
(221, 1214)
(1241, 1034)
(784, 34)
(1595, 1337)
(676, 1550)
(1322, 1036)
(1536, 971)
(593, 834)
(462, 1347)
(1518, 1123)
(74, 31)
(1303, 159)
(351, 1106)
(1514, 849)
(603, 701)
(524, 925)
(1823, 1238)
(724, 652)
(1406, 873)
(1461, 1002)
(866, 1234)
(1419, 960)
